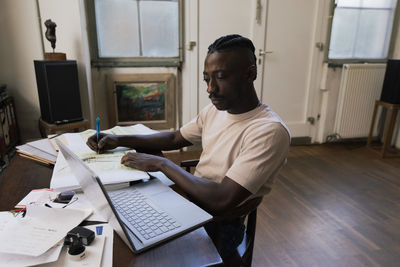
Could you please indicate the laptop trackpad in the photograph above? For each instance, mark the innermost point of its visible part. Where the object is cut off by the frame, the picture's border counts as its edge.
(184, 211)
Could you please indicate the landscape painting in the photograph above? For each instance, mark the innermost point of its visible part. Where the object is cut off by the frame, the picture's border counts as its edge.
(145, 98)
(140, 101)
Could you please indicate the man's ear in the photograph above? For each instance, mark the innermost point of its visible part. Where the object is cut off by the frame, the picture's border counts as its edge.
(252, 73)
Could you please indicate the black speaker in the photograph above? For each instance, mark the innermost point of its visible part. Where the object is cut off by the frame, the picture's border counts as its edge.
(58, 88)
(391, 83)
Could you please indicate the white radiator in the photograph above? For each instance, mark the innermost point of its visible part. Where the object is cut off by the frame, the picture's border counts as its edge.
(360, 86)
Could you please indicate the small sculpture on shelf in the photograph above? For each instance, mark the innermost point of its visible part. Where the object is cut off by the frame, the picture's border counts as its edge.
(50, 35)
(51, 32)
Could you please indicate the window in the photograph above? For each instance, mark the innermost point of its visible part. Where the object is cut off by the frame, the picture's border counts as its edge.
(135, 32)
(362, 30)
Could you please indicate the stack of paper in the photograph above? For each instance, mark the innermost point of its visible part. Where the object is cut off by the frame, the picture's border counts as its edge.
(40, 150)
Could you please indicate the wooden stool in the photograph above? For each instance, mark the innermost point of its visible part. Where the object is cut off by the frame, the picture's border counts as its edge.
(389, 127)
(47, 128)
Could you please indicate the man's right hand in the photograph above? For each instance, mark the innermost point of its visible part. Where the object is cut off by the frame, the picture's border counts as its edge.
(106, 142)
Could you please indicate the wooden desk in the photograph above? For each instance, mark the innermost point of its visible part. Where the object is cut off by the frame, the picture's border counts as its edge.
(192, 249)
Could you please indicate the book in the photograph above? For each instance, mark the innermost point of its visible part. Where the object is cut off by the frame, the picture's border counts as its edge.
(40, 150)
(106, 165)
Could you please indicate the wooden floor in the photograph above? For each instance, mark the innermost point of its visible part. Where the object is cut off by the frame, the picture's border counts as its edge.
(332, 205)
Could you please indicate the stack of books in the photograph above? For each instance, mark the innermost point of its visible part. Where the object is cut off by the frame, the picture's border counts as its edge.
(9, 133)
(3, 92)
(41, 150)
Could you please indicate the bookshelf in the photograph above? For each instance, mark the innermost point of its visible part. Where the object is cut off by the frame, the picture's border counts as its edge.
(9, 133)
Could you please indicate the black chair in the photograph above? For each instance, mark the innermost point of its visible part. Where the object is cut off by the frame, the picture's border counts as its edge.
(248, 210)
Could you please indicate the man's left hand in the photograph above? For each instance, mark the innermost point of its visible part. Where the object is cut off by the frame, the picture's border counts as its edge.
(142, 161)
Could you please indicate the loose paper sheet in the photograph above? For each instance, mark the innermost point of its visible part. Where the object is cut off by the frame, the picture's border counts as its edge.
(15, 260)
(39, 230)
(37, 197)
(44, 145)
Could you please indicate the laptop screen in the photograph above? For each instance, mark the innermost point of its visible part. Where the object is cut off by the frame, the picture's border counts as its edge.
(94, 191)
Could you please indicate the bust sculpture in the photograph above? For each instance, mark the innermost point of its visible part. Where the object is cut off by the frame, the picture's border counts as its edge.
(51, 32)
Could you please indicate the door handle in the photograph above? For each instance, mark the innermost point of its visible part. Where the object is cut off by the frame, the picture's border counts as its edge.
(263, 53)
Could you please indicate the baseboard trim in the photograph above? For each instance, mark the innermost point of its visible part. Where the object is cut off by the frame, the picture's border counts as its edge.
(299, 141)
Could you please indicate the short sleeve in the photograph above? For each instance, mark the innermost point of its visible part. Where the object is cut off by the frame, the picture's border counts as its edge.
(193, 130)
(261, 156)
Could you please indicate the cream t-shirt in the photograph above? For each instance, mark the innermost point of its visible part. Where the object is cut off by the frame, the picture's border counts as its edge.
(249, 148)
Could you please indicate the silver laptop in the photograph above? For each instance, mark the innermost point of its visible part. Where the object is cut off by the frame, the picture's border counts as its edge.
(143, 215)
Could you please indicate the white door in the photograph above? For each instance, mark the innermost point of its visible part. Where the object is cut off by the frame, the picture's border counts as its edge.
(284, 33)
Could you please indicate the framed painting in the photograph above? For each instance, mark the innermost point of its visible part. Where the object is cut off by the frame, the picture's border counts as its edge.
(143, 98)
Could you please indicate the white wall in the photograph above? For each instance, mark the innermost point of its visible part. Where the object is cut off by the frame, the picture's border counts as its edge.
(22, 42)
(329, 99)
(20, 45)
(190, 67)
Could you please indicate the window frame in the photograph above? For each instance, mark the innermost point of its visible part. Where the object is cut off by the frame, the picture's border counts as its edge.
(97, 61)
(341, 61)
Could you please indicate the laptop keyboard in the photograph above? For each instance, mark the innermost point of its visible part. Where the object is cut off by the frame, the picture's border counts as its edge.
(149, 221)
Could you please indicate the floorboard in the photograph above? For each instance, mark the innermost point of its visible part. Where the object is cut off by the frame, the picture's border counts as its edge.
(332, 205)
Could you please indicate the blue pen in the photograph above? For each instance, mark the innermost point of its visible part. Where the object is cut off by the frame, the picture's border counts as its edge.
(98, 130)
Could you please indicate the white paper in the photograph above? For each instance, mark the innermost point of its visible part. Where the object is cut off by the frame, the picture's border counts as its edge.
(109, 173)
(162, 177)
(39, 230)
(99, 253)
(30, 150)
(37, 197)
(44, 145)
(15, 260)
(5, 218)
(108, 232)
(83, 203)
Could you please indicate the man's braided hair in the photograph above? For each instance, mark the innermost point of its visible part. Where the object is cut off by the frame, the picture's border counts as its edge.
(233, 41)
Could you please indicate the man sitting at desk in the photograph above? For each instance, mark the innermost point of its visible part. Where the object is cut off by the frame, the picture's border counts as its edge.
(244, 142)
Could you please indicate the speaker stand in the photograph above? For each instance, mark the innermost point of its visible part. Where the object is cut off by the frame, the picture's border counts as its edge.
(48, 128)
(386, 150)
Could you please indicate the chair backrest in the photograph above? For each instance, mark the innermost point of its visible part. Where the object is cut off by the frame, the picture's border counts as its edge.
(188, 164)
(391, 83)
(248, 210)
